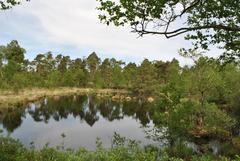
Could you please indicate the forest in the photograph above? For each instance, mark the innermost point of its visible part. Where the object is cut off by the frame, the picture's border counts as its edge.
(198, 102)
(195, 103)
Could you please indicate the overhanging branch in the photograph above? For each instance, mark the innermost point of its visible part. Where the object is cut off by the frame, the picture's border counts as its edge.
(179, 31)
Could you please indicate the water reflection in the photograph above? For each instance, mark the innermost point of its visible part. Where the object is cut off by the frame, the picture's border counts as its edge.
(82, 118)
(11, 120)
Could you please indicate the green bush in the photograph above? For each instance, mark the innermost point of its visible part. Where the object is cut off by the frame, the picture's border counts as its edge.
(180, 150)
(122, 150)
(184, 120)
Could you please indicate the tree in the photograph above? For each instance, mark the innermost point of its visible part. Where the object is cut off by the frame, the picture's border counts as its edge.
(130, 72)
(161, 71)
(1, 61)
(203, 77)
(229, 92)
(78, 71)
(231, 56)
(174, 84)
(9, 70)
(200, 81)
(118, 78)
(51, 63)
(13, 56)
(1, 56)
(183, 122)
(205, 22)
(41, 65)
(106, 72)
(146, 79)
(76, 64)
(14, 52)
(111, 72)
(7, 4)
(64, 64)
(93, 62)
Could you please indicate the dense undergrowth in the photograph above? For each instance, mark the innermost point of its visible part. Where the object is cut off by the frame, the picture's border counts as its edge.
(122, 150)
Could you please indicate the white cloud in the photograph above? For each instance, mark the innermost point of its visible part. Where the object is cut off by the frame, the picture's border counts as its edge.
(75, 23)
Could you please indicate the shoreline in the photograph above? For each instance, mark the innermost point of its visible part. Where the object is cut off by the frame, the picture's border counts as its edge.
(11, 99)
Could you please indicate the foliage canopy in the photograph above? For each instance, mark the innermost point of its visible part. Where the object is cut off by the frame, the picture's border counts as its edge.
(7, 4)
(205, 22)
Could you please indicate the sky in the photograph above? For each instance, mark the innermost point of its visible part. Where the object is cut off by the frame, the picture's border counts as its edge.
(72, 28)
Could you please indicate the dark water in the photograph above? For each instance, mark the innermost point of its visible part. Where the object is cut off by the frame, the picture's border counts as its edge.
(76, 121)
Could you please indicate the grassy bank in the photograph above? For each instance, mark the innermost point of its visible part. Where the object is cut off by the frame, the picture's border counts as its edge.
(13, 98)
(122, 150)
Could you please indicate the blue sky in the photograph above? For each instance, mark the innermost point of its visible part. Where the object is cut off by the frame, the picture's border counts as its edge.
(72, 28)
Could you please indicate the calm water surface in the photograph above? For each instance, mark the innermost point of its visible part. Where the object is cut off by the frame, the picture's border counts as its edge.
(80, 118)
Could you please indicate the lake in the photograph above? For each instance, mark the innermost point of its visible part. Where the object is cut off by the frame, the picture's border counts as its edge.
(77, 121)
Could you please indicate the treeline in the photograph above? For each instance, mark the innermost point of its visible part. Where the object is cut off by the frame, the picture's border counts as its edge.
(207, 76)
(49, 71)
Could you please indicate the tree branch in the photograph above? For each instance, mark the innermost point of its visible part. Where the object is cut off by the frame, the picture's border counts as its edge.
(179, 31)
(195, 3)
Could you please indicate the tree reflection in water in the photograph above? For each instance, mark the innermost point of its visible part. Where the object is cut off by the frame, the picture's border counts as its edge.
(87, 108)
